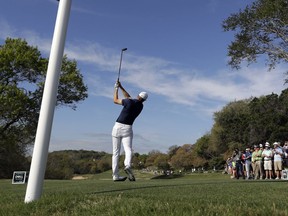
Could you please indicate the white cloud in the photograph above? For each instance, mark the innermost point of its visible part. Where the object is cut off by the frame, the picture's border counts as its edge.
(168, 79)
(44, 44)
(191, 87)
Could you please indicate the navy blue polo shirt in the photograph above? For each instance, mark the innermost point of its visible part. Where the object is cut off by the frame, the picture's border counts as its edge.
(131, 109)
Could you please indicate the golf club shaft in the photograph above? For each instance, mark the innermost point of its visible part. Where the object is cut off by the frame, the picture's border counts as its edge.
(124, 49)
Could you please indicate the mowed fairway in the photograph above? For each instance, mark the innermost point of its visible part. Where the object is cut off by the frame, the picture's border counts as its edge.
(193, 194)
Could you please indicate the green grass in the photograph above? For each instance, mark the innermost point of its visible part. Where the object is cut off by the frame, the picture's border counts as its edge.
(194, 194)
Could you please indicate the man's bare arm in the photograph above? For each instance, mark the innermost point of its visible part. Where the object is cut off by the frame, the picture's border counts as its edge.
(124, 92)
(116, 98)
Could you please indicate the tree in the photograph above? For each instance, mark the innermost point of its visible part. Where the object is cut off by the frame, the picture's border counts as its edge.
(172, 150)
(182, 159)
(103, 164)
(201, 148)
(269, 117)
(261, 29)
(234, 121)
(22, 77)
(152, 155)
(139, 160)
(161, 162)
(264, 118)
(59, 166)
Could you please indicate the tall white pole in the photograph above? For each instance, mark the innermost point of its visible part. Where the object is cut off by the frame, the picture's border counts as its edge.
(40, 152)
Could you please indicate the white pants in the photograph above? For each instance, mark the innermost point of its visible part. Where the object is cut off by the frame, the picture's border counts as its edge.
(247, 168)
(121, 133)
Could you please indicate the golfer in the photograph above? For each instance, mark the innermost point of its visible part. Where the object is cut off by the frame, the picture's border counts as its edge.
(122, 131)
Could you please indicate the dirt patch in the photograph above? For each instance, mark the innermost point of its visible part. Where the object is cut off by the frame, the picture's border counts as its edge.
(79, 178)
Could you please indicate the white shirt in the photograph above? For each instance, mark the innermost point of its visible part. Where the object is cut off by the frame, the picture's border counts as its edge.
(278, 154)
(267, 153)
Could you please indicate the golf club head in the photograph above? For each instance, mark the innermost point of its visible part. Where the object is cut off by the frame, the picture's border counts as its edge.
(124, 49)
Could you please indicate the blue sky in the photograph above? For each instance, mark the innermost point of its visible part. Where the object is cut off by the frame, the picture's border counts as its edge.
(177, 52)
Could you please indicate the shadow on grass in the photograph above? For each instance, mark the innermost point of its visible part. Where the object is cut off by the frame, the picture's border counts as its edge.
(167, 176)
(148, 186)
(138, 188)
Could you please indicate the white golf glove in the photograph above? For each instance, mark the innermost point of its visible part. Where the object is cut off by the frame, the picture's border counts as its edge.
(116, 85)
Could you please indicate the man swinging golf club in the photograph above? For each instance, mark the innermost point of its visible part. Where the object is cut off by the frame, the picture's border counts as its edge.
(122, 131)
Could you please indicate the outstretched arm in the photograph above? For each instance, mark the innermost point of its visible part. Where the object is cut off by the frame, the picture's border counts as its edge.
(115, 98)
(124, 92)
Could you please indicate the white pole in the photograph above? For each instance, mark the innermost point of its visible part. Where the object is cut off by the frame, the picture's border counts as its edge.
(40, 152)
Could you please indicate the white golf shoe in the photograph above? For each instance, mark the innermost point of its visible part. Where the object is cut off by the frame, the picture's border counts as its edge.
(119, 178)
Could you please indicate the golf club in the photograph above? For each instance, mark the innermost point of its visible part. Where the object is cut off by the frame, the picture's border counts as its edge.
(124, 49)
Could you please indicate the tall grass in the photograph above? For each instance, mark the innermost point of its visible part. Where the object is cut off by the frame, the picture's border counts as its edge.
(194, 194)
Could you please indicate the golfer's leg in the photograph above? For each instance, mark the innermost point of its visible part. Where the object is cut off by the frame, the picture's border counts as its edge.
(116, 141)
(127, 144)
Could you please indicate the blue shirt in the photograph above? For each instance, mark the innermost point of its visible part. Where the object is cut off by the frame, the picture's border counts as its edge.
(248, 156)
(131, 109)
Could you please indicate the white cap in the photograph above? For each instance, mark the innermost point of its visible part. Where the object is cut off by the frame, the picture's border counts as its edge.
(143, 95)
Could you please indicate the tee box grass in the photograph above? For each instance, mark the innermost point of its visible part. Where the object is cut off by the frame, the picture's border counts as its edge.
(190, 194)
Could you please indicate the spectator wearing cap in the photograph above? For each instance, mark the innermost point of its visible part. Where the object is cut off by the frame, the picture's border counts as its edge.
(278, 153)
(267, 155)
(247, 159)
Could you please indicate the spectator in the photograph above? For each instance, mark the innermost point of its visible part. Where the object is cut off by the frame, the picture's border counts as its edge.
(236, 158)
(247, 159)
(258, 163)
(262, 172)
(278, 154)
(253, 160)
(242, 167)
(267, 155)
(285, 147)
(229, 166)
(285, 150)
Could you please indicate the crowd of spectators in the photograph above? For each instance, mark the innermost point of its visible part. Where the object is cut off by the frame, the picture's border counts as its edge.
(259, 162)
